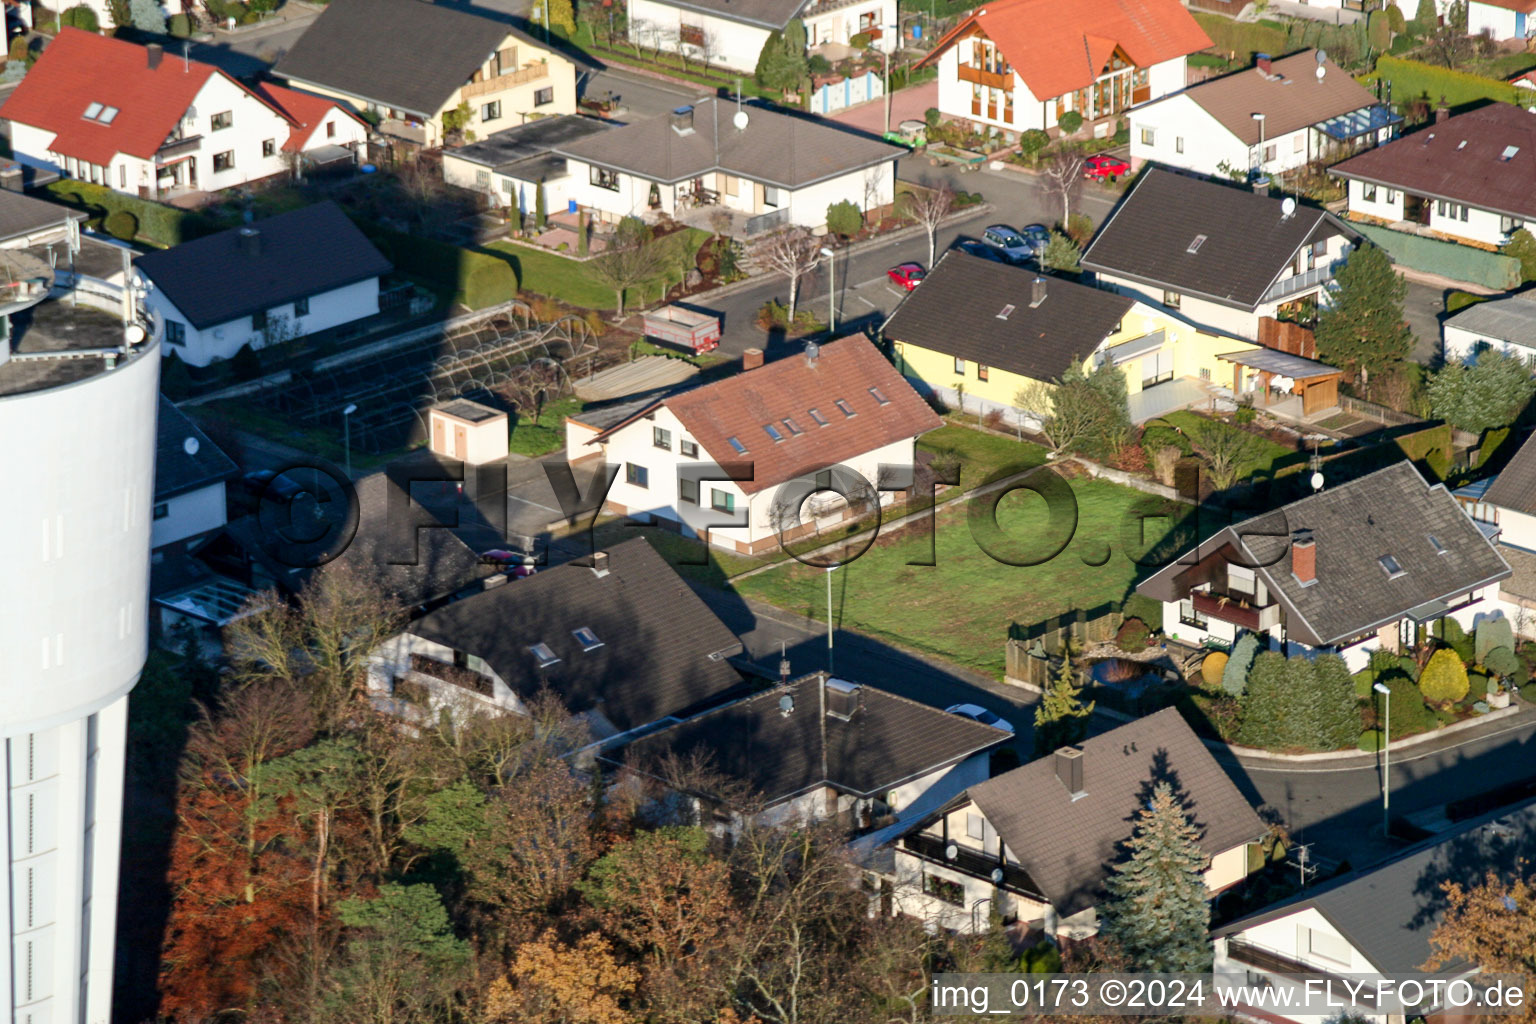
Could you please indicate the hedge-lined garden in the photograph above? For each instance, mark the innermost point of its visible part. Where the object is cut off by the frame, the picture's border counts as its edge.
(1412, 79)
(155, 223)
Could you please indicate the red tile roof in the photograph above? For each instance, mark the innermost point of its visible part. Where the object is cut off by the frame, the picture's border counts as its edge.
(1059, 47)
(303, 110)
(1527, 6)
(847, 370)
(80, 68)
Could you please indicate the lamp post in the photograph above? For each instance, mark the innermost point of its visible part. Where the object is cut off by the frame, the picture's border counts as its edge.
(346, 423)
(831, 289)
(886, 50)
(829, 618)
(1259, 117)
(1386, 751)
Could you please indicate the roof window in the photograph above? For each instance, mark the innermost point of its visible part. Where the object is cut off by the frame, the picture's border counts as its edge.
(879, 396)
(1006, 312)
(1194, 246)
(92, 110)
(791, 426)
(107, 115)
(844, 407)
(1509, 153)
(735, 443)
(543, 654)
(100, 113)
(773, 432)
(1434, 542)
(1393, 569)
(586, 638)
(816, 415)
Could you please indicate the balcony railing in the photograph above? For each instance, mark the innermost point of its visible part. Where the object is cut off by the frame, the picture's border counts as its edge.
(177, 147)
(531, 73)
(1274, 962)
(990, 79)
(766, 221)
(1237, 609)
(970, 862)
(1300, 282)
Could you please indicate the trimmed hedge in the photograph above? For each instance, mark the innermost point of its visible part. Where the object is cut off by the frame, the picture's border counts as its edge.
(1412, 79)
(1241, 38)
(476, 279)
(157, 223)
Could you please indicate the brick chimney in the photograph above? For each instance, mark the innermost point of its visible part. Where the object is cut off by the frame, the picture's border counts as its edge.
(1262, 59)
(751, 359)
(154, 52)
(1442, 111)
(250, 242)
(1304, 557)
(1037, 292)
(1069, 770)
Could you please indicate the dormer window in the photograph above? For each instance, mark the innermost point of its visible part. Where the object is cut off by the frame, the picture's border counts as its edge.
(543, 654)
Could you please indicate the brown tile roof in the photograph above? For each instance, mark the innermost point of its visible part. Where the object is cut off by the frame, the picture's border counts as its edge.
(1059, 47)
(849, 370)
(1289, 97)
(1463, 159)
(1067, 845)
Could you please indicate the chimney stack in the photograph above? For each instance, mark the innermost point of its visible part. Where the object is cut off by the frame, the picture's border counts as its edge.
(600, 562)
(682, 120)
(250, 242)
(842, 698)
(1263, 61)
(751, 359)
(1069, 770)
(1304, 557)
(1036, 292)
(154, 52)
(1442, 111)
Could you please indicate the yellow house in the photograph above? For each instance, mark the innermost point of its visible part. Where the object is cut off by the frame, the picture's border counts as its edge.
(977, 333)
(412, 64)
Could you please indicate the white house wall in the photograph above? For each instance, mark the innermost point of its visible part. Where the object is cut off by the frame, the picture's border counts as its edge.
(1462, 343)
(733, 44)
(941, 786)
(1481, 226)
(808, 205)
(1517, 529)
(1183, 134)
(842, 23)
(1498, 21)
(189, 514)
(1292, 937)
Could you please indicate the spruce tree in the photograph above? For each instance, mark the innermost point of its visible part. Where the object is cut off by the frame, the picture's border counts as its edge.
(1264, 703)
(1338, 712)
(1061, 717)
(1234, 678)
(1157, 909)
(1363, 327)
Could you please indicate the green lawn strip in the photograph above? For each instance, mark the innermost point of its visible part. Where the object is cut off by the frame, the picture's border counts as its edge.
(963, 606)
(672, 66)
(548, 433)
(1272, 458)
(572, 281)
(982, 455)
(691, 558)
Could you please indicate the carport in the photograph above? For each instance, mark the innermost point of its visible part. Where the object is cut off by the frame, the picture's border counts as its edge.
(1274, 376)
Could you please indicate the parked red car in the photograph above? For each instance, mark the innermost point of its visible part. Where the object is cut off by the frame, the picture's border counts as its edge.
(907, 276)
(1105, 166)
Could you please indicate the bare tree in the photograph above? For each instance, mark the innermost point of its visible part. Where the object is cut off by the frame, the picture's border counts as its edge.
(707, 45)
(629, 259)
(793, 252)
(929, 206)
(531, 384)
(1063, 171)
(1063, 423)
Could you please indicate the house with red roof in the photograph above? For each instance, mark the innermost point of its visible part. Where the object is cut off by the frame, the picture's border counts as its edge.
(140, 121)
(1014, 65)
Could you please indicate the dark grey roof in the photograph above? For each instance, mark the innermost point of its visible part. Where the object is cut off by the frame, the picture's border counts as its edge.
(777, 148)
(1515, 486)
(1509, 318)
(1392, 511)
(1274, 361)
(663, 651)
(1389, 912)
(610, 412)
(178, 469)
(468, 410)
(534, 139)
(958, 310)
(774, 14)
(1067, 845)
(887, 741)
(409, 54)
(23, 215)
(302, 252)
(1248, 240)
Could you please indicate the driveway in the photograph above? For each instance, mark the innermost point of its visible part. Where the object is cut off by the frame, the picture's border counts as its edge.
(906, 105)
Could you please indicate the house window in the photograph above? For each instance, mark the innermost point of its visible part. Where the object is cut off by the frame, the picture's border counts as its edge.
(1189, 616)
(223, 120)
(1368, 192)
(491, 111)
(1178, 143)
(544, 97)
(982, 373)
(301, 306)
(1298, 143)
(1269, 153)
(224, 161)
(175, 332)
(1171, 299)
(688, 449)
(816, 415)
(688, 491)
(1450, 211)
(730, 184)
(482, 179)
(543, 654)
(824, 480)
(259, 320)
(330, 129)
(268, 147)
(587, 638)
(722, 501)
(1205, 373)
(162, 510)
(1149, 136)
(604, 178)
(122, 175)
(959, 367)
(773, 432)
(690, 35)
(770, 196)
(1509, 225)
(661, 438)
(943, 889)
(637, 476)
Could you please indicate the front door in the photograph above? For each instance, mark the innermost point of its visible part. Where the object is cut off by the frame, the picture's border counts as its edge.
(437, 435)
(460, 449)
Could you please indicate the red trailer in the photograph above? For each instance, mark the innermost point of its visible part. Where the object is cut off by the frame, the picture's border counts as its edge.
(685, 328)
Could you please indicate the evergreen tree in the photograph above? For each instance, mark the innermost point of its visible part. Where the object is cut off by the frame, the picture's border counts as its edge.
(1061, 253)
(1157, 910)
(1490, 393)
(1337, 707)
(1444, 679)
(1061, 718)
(1234, 678)
(1363, 328)
(1491, 633)
(1522, 246)
(147, 16)
(562, 18)
(540, 209)
(1264, 704)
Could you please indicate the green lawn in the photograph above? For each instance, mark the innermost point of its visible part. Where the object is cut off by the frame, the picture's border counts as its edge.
(963, 606)
(548, 434)
(982, 455)
(574, 282)
(1270, 457)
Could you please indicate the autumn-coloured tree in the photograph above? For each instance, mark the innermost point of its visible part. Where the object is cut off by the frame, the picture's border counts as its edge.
(553, 983)
(1491, 925)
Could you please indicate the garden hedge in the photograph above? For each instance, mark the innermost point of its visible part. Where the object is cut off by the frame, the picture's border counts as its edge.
(476, 279)
(157, 223)
(1241, 38)
(1412, 79)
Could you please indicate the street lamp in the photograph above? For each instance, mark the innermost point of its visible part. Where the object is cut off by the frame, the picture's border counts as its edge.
(886, 50)
(831, 290)
(829, 618)
(1259, 117)
(346, 423)
(1386, 755)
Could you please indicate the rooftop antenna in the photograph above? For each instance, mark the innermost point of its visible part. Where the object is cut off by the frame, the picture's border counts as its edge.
(740, 120)
(186, 60)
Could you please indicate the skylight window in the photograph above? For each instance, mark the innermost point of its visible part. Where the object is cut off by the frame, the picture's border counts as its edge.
(107, 115)
(1509, 153)
(773, 432)
(880, 396)
(1390, 564)
(586, 638)
(1006, 312)
(843, 407)
(791, 426)
(543, 654)
(1194, 246)
(735, 443)
(816, 415)
(91, 111)
(1434, 542)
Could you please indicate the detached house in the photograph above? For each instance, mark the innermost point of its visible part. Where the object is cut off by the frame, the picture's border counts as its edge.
(1506, 324)
(411, 63)
(823, 748)
(985, 330)
(137, 120)
(621, 641)
(1351, 569)
(1219, 256)
(1037, 843)
(1276, 116)
(1014, 65)
(190, 474)
(298, 273)
(732, 32)
(1466, 178)
(1502, 19)
(771, 454)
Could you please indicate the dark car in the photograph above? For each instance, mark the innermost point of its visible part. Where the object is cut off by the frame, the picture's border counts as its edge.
(262, 482)
(1037, 235)
(978, 249)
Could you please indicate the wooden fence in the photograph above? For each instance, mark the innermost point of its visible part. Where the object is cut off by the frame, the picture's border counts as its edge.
(1030, 648)
(1380, 413)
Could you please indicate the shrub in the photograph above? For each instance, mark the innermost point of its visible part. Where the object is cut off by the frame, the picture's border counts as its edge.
(1522, 246)
(122, 225)
(81, 16)
(1070, 122)
(1032, 141)
(18, 51)
(1378, 29)
(1408, 667)
(245, 364)
(1461, 300)
(1409, 712)
(1213, 666)
(1457, 640)
(1132, 635)
(1445, 677)
(844, 218)
(1502, 662)
(175, 378)
(1245, 414)
(1235, 679)
(147, 16)
(860, 40)
(1492, 633)
(931, 117)
(181, 26)
(1079, 228)
(1155, 437)
(818, 64)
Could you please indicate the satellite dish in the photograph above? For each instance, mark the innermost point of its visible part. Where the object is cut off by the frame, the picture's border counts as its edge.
(1317, 481)
(951, 851)
(786, 705)
(997, 876)
(1322, 55)
(190, 446)
(135, 333)
(1322, 72)
(1288, 206)
(740, 120)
